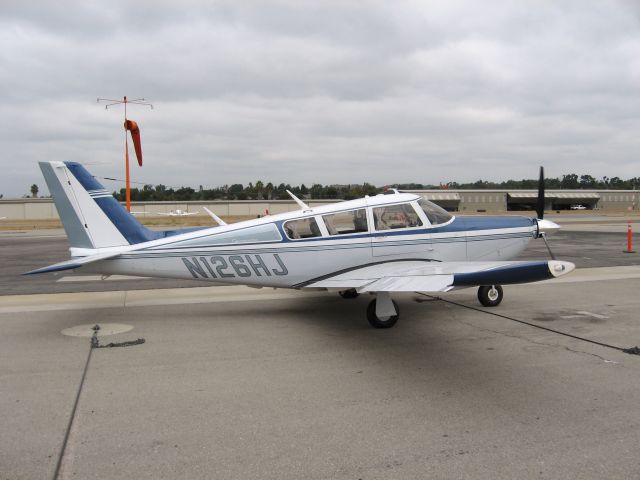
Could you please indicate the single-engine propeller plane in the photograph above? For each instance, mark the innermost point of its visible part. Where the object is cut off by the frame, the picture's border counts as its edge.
(383, 244)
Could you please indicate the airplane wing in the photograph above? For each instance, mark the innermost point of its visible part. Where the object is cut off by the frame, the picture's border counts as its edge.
(420, 276)
(73, 263)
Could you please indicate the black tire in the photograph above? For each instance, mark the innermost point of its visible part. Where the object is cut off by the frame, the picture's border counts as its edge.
(351, 293)
(381, 323)
(490, 295)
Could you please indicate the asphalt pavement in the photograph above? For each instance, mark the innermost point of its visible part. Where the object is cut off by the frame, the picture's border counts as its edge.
(239, 383)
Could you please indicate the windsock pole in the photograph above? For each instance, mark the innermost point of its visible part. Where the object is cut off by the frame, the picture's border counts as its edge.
(126, 159)
(137, 101)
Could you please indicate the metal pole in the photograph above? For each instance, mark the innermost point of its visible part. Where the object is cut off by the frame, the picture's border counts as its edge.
(125, 100)
(126, 159)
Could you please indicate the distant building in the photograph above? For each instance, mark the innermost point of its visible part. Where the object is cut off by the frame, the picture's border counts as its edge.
(463, 201)
(472, 201)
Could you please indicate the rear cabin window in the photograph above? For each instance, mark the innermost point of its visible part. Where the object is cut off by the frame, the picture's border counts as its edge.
(343, 223)
(396, 216)
(303, 228)
(434, 213)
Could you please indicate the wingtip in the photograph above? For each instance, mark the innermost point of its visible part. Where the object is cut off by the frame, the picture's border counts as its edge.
(560, 267)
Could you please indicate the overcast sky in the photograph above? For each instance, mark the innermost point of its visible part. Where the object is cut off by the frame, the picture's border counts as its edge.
(322, 91)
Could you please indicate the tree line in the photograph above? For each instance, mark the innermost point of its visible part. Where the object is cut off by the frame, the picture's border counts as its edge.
(257, 191)
(271, 191)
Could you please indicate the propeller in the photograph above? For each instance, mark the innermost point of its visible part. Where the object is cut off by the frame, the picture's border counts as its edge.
(540, 202)
(544, 226)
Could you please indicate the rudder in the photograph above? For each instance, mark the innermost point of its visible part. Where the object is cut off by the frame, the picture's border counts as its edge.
(91, 216)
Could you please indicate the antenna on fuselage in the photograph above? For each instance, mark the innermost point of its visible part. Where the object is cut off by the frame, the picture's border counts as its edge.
(217, 219)
(300, 203)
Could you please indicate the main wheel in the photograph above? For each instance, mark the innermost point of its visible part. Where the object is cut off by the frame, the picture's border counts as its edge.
(385, 322)
(490, 295)
(351, 293)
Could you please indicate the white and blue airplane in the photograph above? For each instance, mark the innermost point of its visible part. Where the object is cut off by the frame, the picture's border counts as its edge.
(383, 244)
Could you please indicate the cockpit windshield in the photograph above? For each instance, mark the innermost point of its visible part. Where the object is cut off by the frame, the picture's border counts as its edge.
(434, 213)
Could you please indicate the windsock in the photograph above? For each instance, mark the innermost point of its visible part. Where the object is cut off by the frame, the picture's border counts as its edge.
(135, 136)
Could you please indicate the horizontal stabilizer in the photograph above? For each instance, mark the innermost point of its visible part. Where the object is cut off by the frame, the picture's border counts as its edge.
(73, 263)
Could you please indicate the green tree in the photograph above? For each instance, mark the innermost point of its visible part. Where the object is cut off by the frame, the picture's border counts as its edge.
(570, 181)
(587, 181)
(268, 191)
(316, 191)
(34, 190)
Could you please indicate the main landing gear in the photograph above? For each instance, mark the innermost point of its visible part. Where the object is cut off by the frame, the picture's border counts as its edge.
(490, 295)
(382, 312)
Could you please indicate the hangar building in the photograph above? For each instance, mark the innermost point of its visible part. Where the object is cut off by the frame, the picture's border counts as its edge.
(464, 201)
(472, 201)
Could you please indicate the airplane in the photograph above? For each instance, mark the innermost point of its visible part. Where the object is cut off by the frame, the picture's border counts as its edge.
(382, 245)
(177, 213)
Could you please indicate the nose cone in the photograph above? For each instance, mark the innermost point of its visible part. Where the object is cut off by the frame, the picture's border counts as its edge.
(547, 227)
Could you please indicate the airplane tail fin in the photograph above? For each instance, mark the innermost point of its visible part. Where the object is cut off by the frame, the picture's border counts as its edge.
(91, 216)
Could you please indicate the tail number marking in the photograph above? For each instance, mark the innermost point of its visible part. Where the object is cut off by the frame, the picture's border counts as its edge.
(231, 266)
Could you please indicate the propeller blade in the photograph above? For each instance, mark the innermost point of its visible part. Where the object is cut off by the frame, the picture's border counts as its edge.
(540, 202)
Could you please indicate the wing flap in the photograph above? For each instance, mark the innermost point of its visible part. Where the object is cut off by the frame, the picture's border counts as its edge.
(422, 283)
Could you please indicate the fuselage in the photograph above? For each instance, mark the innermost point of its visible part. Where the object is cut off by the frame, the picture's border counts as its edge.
(296, 248)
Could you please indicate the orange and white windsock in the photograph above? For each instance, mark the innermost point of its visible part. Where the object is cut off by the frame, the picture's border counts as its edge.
(135, 136)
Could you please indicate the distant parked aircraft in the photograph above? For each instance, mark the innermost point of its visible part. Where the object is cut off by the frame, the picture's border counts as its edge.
(178, 213)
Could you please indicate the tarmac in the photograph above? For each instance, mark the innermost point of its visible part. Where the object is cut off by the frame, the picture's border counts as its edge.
(234, 382)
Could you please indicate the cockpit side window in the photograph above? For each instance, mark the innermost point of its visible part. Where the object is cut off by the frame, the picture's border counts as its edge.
(343, 223)
(302, 228)
(434, 213)
(391, 217)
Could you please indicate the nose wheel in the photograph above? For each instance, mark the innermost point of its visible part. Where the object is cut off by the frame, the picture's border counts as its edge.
(490, 295)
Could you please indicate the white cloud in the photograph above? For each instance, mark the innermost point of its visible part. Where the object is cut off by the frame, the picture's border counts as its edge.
(328, 92)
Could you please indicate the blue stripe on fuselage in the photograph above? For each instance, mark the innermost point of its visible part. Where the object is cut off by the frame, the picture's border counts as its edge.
(476, 223)
(459, 224)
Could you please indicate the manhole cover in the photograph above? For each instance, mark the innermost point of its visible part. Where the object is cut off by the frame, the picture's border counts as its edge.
(105, 329)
